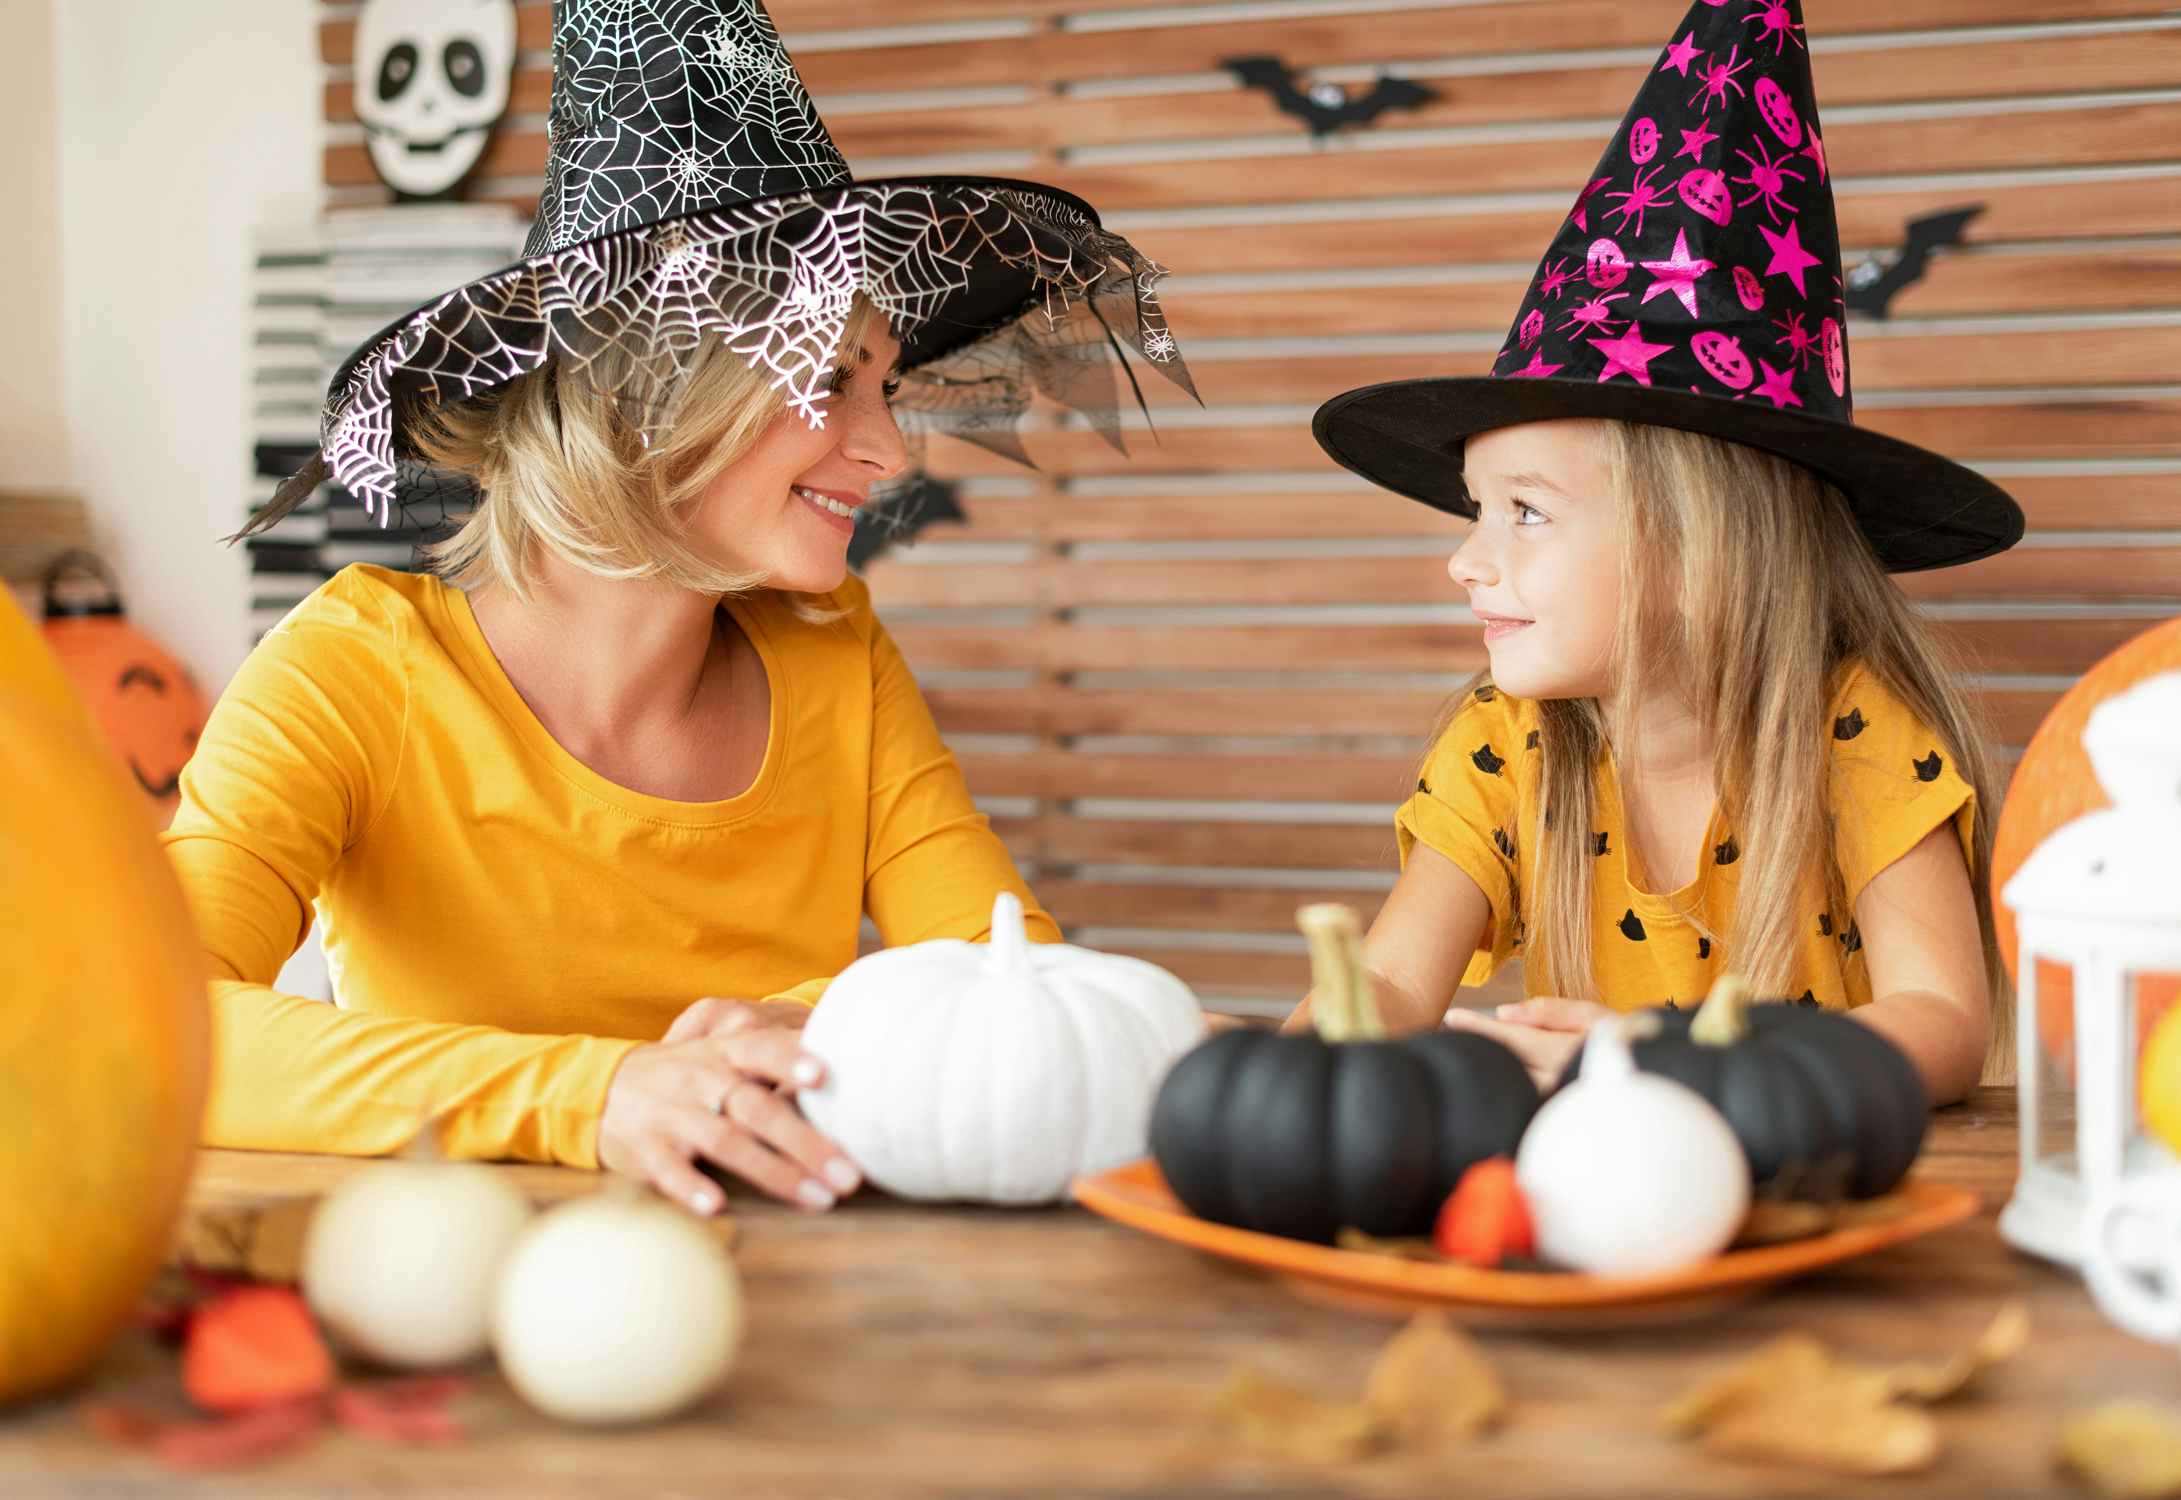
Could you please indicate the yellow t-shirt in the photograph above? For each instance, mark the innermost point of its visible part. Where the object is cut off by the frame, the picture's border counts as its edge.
(1477, 803)
(502, 923)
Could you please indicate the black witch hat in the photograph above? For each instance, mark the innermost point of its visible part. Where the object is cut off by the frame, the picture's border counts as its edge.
(693, 198)
(1695, 284)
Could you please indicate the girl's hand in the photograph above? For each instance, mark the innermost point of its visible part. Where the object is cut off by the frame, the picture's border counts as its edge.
(723, 1096)
(1544, 1033)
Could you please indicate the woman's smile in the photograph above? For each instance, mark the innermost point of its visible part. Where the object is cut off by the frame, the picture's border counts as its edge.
(836, 509)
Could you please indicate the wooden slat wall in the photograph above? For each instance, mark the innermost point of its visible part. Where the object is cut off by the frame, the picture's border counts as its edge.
(1191, 685)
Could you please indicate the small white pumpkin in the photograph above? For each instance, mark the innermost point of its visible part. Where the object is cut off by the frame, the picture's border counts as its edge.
(994, 1072)
(1628, 1173)
(401, 1259)
(618, 1307)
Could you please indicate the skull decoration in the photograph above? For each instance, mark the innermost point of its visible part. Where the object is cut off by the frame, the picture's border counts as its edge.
(432, 79)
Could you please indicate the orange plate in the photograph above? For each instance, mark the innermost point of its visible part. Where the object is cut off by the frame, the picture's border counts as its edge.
(1137, 1195)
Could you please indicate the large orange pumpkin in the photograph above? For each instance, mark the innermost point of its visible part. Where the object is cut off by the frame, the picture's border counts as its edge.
(146, 705)
(2054, 785)
(102, 1030)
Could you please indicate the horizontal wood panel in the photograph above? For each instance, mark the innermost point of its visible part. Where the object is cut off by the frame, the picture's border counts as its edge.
(2014, 714)
(1078, 903)
(1964, 70)
(1367, 37)
(2060, 573)
(2012, 212)
(2106, 133)
(2138, 427)
(2037, 646)
(1287, 975)
(1059, 838)
(2088, 280)
(2052, 502)
(800, 19)
(2113, 133)
(1230, 778)
(1938, 359)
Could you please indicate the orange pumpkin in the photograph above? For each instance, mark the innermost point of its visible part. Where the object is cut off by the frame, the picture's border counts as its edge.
(102, 1031)
(146, 705)
(2053, 786)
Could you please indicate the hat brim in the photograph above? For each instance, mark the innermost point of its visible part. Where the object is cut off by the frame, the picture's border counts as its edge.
(996, 295)
(1918, 509)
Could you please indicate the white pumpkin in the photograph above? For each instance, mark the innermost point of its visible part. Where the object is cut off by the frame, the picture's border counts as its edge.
(994, 1072)
(401, 1260)
(615, 1308)
(1627, 1173)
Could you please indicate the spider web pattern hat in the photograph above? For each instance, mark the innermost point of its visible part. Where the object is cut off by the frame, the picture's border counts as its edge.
(1696, 283)
(693, 199)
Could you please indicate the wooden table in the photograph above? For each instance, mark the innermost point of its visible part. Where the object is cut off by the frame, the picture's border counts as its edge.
(896, 1350)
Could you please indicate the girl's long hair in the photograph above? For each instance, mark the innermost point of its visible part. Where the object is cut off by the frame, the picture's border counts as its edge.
(1745, 578)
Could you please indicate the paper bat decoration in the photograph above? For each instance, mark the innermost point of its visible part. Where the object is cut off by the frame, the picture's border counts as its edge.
(880, 528)
(1327, 106)
(1873, 285)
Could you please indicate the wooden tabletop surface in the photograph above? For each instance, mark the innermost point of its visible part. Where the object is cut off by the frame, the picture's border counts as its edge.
(899, 1350)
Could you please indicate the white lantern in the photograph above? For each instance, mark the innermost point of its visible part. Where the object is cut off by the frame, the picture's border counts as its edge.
(2100, 897)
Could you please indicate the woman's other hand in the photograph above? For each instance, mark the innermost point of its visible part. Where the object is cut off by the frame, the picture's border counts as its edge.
(1543, 1032)
(719, 1088)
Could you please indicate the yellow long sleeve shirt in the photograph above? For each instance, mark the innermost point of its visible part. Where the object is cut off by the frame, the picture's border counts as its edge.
(503, 925)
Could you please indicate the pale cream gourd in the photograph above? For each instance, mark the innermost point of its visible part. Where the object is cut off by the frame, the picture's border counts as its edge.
(994, 1072)
(403, 1258)
(617, 1308)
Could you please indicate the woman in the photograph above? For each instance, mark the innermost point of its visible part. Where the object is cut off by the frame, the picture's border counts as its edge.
(592, 817)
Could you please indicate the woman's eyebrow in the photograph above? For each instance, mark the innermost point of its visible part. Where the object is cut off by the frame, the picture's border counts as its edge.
(865, 356)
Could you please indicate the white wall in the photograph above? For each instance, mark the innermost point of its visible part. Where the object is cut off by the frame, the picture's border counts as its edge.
(33, 454)
(179, 128)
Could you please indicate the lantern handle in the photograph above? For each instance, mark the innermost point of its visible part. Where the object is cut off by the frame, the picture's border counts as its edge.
(79, 560)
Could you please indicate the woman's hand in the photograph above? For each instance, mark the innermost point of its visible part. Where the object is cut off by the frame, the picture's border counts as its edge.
(718, 1087)
(1543, 1032)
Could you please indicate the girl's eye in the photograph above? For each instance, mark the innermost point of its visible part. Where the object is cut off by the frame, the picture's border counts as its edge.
(891, 388)
(839, 381)
(1529, 515)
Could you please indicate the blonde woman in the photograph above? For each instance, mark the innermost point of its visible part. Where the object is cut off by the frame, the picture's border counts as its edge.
(1714, 736)
(594, 810)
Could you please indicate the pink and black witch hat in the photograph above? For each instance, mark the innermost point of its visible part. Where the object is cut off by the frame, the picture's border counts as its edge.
(1696, 283)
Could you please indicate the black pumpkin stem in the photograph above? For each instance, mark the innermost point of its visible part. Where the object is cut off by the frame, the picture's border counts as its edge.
(1723, 1019)
(1342, 1008)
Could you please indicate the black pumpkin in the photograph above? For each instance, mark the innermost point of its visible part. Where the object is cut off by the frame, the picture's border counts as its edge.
(1823, 1105)
(1305, 1136)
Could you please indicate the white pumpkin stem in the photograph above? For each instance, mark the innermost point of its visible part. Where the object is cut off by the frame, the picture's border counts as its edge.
(1010, 944)
(1608, 1047)
(1343, 1009)
(1723, 1019)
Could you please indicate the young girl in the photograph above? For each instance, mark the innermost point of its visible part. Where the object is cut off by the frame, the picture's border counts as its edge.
(1713, 735)
(593, 813)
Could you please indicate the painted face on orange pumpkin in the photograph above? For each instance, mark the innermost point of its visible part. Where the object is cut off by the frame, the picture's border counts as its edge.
(155, 729)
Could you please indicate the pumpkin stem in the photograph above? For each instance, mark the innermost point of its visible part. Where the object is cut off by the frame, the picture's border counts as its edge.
(1723, 1019)
(1343, 1010)
(1010, 945)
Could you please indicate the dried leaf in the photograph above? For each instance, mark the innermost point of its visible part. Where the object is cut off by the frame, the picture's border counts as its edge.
(1935, 1380)
(1277, 1418)
(1837, 1425)
(2127, 1449)
(402, 1411)
(1433, 1386)
(1405, 1249)
(248, 1438)
(1790, 1361)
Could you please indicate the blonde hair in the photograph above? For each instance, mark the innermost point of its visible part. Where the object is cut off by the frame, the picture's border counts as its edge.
(1745, 574)
(562, 461)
